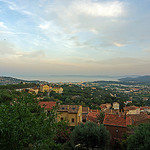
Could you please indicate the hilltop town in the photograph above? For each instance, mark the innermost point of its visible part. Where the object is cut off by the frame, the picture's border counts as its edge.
(118, 106)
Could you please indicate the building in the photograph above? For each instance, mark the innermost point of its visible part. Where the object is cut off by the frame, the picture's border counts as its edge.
(116, 106)
(48, 106)
(145, 109)
(119, 124)
(116, 125)
(44, 88)
(132, 110)
(93, 115)
(34, 91)
(58, 89)
(70, 113)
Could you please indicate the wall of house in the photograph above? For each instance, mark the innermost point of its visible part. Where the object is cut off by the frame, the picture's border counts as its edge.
(116, 105)
(133, 112)
(73, 118)
(116, 133)
(44, 88)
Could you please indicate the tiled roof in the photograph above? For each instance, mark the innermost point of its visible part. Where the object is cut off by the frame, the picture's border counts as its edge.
(139, 118)
(47, 105)
(69, 108)
(116, 120)
(92, 116)
(144, 107)
(130, 108)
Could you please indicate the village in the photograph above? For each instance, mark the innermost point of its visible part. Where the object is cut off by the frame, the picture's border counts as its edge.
(118, 122)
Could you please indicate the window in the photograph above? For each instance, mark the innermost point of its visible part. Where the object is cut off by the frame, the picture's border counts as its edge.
(62, 118)
(73, 108)
(62, 108)
(72, 119)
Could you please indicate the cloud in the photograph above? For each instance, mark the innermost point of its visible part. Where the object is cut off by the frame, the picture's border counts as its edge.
(98, 9)
(118, 44)
(32, 54)
(2, 25)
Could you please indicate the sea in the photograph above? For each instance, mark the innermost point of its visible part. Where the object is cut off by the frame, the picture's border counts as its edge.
(72, 78)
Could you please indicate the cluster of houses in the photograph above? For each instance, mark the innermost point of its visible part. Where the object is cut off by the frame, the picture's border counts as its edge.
(118, 123)
(43, 88)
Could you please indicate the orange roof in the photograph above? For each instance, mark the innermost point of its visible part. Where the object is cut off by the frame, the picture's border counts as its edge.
(144, 107)
(92, 116)
(47, 105)
(130, 108)
(117, 120)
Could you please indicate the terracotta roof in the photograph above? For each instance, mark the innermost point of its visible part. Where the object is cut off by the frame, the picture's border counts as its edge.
(63, 108)
(47, 105)
(130, 108)
(139, 118)
(144, 107)
(92, 116)
(69, 108)
(117, 120)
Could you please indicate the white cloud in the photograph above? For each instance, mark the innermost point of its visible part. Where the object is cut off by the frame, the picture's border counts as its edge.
(98, 9)
(2, 25)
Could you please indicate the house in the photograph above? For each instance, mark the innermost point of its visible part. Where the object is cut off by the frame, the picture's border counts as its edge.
(48, 106)
(44, 88)
(115, 106)
(70, 113)
(58, 89)
(132, 110)
(32, 90)
(92, 115)
(139, 118)
(145, 109)
(117, 126)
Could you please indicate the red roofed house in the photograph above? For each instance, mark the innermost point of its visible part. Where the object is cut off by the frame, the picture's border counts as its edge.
(92, 115)
(117, 125)
(47, 105)
(145, 109)
(132, 110)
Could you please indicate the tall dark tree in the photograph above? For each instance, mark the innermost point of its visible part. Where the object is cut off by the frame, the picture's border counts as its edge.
(90, 135)
(140, 140)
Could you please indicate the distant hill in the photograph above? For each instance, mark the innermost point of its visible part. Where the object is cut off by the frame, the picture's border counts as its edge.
(11, 80)
(144, 79)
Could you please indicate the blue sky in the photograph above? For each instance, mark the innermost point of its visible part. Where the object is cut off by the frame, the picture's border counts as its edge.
(105, 37)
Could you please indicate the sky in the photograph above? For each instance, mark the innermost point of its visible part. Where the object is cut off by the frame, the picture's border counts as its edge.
(90, 37)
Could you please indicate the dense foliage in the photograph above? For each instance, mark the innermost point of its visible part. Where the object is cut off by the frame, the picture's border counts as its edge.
(90, 135)
(140, 140)
(25, 125)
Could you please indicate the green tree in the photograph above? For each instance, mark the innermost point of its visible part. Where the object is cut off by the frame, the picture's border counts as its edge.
(90, 135)
(100, 117)
(140, 140)
(25, 125)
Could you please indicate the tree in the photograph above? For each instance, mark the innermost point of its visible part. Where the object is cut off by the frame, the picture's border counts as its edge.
(25, 125)
(62, 132)
(140, 139)
(90, 135)
(100, 117)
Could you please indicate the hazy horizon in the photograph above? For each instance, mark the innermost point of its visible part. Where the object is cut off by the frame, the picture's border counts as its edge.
(106, 37)
(73, 78)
